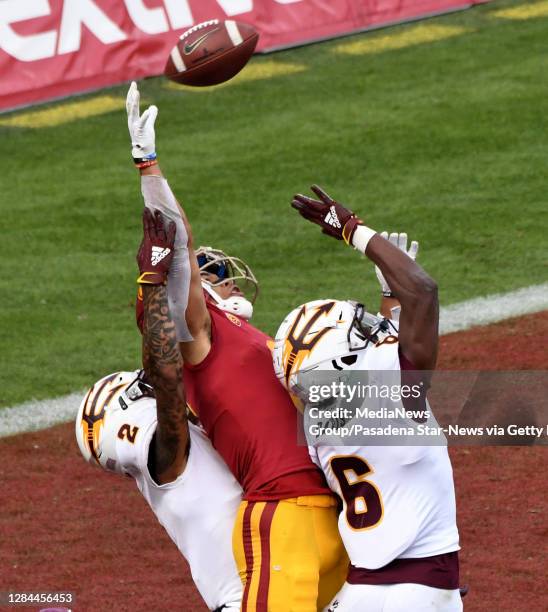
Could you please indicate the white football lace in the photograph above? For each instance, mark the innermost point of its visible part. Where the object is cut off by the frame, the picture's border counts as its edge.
(198, 27)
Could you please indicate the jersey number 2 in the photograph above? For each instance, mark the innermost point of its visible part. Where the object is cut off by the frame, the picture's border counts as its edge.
(363, 501)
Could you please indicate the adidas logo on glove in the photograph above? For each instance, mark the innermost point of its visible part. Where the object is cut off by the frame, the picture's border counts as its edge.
(332, 218)
(158, 253)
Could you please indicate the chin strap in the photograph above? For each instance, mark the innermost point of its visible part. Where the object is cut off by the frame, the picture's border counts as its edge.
(236, 304)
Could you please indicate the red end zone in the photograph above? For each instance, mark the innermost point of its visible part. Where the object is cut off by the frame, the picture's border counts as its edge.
(68, 527)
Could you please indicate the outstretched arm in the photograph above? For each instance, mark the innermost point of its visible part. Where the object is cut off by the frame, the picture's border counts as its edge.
(186, 299)
(410, 284)
(161, 356)
(418, 295)
(388, 301)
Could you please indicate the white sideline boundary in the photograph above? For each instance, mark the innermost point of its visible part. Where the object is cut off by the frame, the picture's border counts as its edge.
(35, 415)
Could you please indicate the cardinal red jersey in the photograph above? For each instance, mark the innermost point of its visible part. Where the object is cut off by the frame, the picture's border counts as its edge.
(248, 415)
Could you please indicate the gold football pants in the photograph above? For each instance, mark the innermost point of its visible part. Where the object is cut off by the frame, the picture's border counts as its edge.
(289, 554)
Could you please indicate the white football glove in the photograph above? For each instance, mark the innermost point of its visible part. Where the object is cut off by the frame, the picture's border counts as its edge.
(141, 127)
(400, 241)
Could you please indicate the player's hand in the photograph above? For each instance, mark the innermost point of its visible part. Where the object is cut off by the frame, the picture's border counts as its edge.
(141, 127)
(334, 219)
(156, 250)
(400, 241)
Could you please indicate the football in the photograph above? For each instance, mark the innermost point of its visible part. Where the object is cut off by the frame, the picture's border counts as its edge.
(211, 52)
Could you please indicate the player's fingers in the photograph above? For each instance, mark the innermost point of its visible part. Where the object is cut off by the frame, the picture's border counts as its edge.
(413, 250)
(152, 114)
(158, 221)
(305, 212)
(302, 209)
(171, 231)
(132, 102)
(324, 197)
(142, 119)
(130, 95)
(402, 241)
(393, 238)
(147, 220)
(307, 201)
(310, 212)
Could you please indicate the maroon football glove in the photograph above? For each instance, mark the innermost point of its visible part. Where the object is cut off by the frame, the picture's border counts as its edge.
(156, 250)
(334, 219)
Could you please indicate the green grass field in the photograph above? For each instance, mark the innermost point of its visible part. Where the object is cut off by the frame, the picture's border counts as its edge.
(445, 140)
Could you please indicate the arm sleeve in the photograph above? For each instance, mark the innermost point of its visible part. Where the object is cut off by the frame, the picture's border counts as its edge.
(158, 195)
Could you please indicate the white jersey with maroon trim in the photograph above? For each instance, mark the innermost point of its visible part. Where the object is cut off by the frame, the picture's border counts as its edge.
(197, 510)
(399, 500)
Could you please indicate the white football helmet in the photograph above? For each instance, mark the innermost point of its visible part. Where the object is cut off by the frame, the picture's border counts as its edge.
(229, 268)
(319, 336)
(102, 412)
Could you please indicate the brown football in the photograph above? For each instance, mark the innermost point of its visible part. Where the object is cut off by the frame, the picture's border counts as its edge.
(211, 52)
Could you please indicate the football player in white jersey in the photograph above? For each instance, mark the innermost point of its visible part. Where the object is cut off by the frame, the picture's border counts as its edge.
(398, 520)
(136, 425)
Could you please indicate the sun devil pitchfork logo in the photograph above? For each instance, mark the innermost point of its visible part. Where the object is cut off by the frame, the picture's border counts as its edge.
(296, 348)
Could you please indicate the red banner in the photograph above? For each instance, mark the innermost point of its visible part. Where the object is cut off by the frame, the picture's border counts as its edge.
(52, 48)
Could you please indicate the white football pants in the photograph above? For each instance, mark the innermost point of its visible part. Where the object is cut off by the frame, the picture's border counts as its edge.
(394, 598)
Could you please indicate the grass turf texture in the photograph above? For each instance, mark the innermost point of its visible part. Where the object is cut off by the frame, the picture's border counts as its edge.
(443, 140)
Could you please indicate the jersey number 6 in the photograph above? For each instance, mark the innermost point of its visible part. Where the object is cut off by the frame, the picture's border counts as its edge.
(363, 501)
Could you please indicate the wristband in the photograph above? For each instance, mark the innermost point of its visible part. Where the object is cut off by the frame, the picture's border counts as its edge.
(148, 157)
(146, 164)
(152, 278)
(362, 236)
(350, 227)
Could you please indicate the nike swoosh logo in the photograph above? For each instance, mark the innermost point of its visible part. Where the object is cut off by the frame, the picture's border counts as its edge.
(189, 48)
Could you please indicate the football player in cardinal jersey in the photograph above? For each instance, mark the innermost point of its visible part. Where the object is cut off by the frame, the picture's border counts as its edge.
(286, 543)
(398, 520)
(136, 425)
(225, 279)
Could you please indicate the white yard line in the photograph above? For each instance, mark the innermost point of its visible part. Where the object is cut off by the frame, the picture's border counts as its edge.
(493, 308)
(34, 415)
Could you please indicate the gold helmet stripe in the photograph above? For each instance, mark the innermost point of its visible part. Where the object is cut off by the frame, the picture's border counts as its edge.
(90, 419)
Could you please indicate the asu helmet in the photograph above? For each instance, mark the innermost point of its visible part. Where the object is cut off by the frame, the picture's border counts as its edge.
(319, 336)
(226, 267)
(102, 413)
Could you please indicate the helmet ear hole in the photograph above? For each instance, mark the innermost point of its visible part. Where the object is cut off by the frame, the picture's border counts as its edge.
(349, 359)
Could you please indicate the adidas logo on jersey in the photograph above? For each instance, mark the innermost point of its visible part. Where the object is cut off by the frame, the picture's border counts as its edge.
(332, 218)
(158, 253)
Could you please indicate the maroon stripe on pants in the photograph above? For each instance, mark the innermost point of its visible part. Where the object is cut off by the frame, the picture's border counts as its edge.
(264, 531)
(248, 551)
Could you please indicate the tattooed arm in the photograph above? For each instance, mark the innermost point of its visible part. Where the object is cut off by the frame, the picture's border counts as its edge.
(161, 356)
